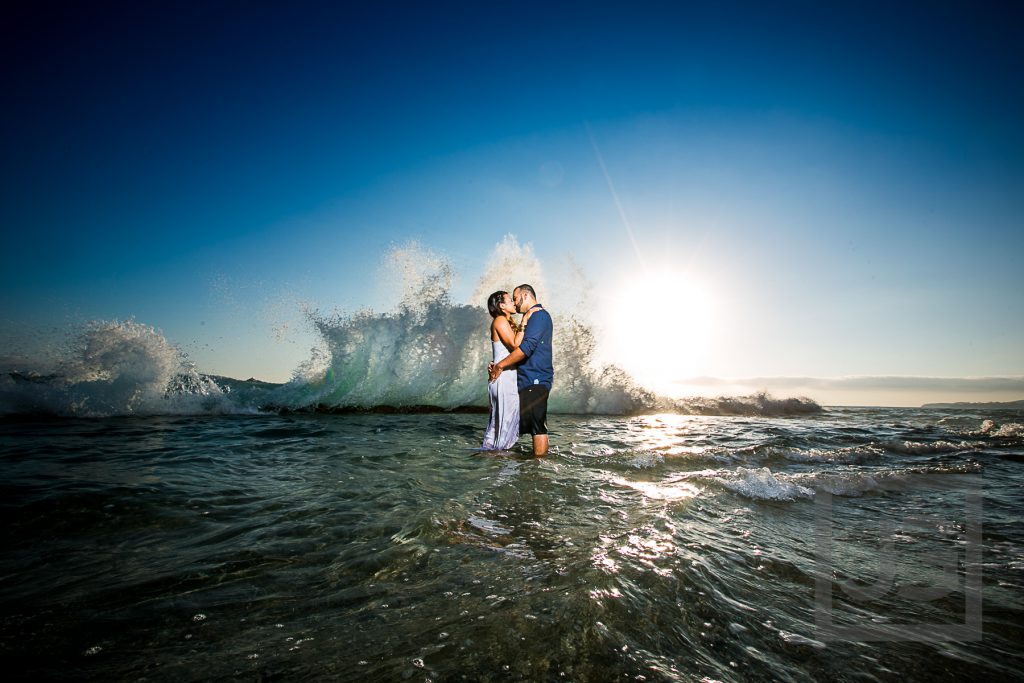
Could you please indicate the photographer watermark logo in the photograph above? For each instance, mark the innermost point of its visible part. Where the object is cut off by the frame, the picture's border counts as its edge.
(943, 579)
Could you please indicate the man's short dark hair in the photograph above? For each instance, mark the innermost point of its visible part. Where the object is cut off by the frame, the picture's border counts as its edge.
(529, 289)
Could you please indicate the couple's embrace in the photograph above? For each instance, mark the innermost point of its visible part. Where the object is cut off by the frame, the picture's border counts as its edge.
(521, 372)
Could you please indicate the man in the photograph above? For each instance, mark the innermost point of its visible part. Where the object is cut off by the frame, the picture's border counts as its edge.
(536, 371)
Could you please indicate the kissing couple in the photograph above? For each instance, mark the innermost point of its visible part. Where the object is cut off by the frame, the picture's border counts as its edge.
(521, 371)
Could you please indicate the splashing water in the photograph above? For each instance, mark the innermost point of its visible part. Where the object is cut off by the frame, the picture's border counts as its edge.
(427, 353)
(510, 264)
(115, 368)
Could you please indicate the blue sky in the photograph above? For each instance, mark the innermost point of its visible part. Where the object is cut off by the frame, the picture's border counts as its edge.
(846, 179)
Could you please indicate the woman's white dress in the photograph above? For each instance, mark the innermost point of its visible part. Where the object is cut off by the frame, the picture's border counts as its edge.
(503, 428)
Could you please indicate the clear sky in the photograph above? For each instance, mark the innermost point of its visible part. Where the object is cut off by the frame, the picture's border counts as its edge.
(808, 197)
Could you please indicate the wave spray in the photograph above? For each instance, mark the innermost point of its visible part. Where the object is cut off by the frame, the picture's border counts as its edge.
(428, 353)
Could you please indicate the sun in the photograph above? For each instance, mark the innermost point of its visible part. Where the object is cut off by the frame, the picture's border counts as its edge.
(658, 326)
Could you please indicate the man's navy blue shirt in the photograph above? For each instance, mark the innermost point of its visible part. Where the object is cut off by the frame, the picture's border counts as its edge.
(538, 367)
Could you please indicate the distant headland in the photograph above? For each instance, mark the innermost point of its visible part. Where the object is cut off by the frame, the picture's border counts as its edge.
(997, 405)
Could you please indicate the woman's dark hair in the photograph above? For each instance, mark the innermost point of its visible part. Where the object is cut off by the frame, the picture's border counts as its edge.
(493, 303)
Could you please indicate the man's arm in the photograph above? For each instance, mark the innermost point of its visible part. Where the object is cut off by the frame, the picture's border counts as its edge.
(508, 361)
(525, 349)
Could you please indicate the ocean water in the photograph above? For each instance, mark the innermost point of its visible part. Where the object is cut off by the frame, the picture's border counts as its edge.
(164, 524)
(367, 546)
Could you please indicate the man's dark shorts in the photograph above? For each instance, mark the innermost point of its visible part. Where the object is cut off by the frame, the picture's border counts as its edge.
(533, 409)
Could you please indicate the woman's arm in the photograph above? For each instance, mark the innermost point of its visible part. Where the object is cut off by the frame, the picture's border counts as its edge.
(505, 333)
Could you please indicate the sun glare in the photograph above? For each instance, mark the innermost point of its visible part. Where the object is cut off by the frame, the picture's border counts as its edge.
(659, 328)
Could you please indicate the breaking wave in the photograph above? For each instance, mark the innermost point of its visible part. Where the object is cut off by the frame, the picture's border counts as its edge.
(429, 353)
(763, 484)
(114, 368)
(1007, 430)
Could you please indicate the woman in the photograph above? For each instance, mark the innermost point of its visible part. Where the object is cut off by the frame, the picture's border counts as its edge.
(503, 428)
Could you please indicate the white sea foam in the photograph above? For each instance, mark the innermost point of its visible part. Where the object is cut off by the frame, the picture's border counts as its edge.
(975, 426)
(646, 460)
(1011, 429)
(115, 368)
(762, 485)
(848, 455)
(1008, 429)
(930, 447)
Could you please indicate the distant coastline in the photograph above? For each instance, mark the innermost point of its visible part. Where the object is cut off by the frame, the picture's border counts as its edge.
(998, 405)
